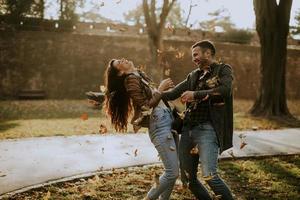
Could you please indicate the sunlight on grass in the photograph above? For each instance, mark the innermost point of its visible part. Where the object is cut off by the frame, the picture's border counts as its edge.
(20, 119)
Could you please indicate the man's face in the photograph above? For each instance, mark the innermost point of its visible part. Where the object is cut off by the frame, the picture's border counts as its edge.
(201, 57)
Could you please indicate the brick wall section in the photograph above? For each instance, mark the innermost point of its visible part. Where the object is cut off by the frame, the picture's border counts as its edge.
(67, 65)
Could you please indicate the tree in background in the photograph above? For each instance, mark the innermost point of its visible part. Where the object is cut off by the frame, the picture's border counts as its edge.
(136, 16)
(219, 19)
(272, 25)
(26, 8)
(296, 29)
(155, 26)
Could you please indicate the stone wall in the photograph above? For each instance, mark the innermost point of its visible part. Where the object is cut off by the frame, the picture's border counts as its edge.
(66, 65)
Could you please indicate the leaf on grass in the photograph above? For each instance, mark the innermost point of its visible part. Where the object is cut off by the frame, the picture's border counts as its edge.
(135, 153)
(84, 116)
(47, 196)
(102, 129)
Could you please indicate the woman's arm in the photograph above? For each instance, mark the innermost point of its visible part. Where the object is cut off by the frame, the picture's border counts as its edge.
(136, 93)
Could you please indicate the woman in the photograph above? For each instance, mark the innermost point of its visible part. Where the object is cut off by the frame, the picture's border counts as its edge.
(127, 89)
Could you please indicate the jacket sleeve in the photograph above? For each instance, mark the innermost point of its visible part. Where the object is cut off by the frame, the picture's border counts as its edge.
(136, 92)
(177, 91)
(225, 87)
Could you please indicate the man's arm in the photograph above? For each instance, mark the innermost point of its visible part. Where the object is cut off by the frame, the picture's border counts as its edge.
(175, 92)
(224, 89)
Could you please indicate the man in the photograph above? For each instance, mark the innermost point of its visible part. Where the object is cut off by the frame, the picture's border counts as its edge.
(208, 121)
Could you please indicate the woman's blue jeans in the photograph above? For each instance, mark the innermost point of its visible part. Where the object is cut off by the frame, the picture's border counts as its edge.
(204, 136)
(162, 138)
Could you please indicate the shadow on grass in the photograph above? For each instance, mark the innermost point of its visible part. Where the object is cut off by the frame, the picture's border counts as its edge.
(272, 178)
(239, 181)
(6, 125)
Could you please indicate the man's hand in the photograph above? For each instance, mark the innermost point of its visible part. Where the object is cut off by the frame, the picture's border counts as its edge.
(187, 96)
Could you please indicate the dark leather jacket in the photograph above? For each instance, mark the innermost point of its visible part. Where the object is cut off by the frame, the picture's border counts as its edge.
(221, 112)
(143, 98)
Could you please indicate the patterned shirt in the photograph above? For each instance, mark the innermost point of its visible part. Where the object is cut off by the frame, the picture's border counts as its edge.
(199, 111)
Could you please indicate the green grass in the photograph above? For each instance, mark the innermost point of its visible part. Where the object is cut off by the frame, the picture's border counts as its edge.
(273, 178)
(19, 119)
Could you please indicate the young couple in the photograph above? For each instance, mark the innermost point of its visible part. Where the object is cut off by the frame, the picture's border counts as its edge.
(208, 121)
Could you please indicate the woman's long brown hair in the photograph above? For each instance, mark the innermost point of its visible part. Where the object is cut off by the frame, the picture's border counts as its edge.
(117, 103)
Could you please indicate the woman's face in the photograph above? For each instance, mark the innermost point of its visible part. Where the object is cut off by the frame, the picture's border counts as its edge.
(123, 65)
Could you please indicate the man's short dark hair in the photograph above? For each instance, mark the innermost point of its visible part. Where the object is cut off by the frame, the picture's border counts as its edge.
(205, 44)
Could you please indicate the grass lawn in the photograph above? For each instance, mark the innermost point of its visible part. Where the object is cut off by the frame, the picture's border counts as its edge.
(19, 119)
(263, 179)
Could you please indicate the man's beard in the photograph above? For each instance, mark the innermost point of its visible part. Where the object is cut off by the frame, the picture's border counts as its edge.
(203, 63)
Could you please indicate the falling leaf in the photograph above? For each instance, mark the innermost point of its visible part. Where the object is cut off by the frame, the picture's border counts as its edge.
(170, 27)
(217, 197)
(102, 129)
(135, 153)
(179, 55)
(122, 29)
(167, 72)
(84, 116)
(170, 136)
(194, 150)
(158, 157)
(243, 144)
(172, 148)
(102, 88)
(47, 196)
(207, 178)
(159, 51)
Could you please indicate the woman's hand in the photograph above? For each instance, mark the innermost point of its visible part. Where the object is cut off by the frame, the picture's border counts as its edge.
(165, 84)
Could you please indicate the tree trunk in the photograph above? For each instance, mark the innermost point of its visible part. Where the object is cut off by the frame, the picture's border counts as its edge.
(272, 25)
(154, 30)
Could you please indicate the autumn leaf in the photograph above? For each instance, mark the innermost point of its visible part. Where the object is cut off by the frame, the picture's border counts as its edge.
(47, 196)
(170, 27)
(84, 116)
(194, 150)
(167, 72)
(179, 55)
(159, 51)
(102, 129)
(243, 144)
(172, 148)
(135, 153)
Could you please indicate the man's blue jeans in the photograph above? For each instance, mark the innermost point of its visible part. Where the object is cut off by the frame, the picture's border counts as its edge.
(162, 138)
(204, 136)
